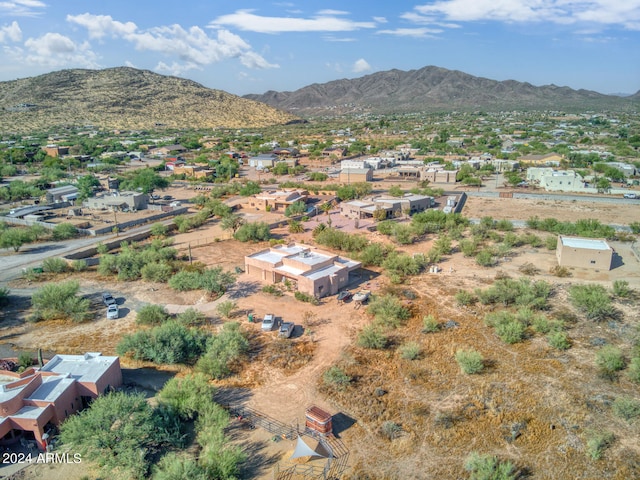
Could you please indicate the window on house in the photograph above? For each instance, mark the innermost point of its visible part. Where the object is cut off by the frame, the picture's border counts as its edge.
(593, 262)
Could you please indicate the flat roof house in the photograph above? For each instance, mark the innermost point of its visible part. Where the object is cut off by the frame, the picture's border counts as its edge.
(312, 271)
(584, 253)
(31, 400)
(393, 206)
(277, 200)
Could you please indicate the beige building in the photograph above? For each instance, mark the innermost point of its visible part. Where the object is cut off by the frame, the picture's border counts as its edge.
(356, 175)
(311, 271)
(393, 206)
(431, 174)
(277, 200)
(584, 253)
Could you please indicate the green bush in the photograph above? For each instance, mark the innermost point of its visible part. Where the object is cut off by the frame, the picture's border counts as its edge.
(430, 324)
(390, 430)
(305, 297)
(152, 315)
(54, 265)
(559, 340)
(159, 230)
(64, 231)
(59, 300)
(484, 258)
(598, 442)
(551, 242)
(272, 290)
(465, 298)
(626, 408)
(470, 361)
(213, 280)
(522, 292)
(79, 265)
(388, 311)
(226, 308)
(506, 326)
(609, 360)
(634, 369)
(488, 467)
(592, 301)
(621, 288)
(191, 317)
(4, 296)
(469, 248)
(403, 264)
(504, 225)
(372, 337)
(336, 377)
(374, 254)
(253, 232)
(224, 350)
(410, 351)
(156, 272)
(169, 343)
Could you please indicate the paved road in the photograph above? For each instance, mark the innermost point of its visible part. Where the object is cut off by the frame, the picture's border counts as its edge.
(560, 197)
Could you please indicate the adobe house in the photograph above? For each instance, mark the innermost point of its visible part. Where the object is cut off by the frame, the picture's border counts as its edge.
(277, 200)
(584, 253)
(311, 271)
(35, 398)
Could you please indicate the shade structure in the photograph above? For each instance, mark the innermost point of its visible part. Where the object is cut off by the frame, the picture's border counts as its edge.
(304, 450)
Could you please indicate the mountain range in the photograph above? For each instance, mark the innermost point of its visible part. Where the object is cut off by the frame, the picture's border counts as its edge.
(437, 89)
(125, 98)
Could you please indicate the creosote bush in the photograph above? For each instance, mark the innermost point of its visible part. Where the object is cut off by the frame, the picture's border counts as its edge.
(372, 337)
(592, 301)
(598, 442)
(410, 351)
(488, 467)
(609, 360)
(336, 377)
(152, 315)
(559, 340)
(626, 408)
(430, 324)
(470, 361)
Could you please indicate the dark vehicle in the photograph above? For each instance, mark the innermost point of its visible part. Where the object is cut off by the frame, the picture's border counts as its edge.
(167, 197)
(286, 329)
(344, 295)
(108, 299)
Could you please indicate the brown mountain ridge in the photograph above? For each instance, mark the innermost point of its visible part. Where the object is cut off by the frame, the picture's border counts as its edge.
(437, 89)
(125, 98)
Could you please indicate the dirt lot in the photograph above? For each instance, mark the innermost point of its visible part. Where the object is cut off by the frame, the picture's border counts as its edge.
(443, 414)
(522, 209)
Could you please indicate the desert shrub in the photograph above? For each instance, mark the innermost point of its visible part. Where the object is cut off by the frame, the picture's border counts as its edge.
(598, 442)
(528, 269)
(626, 408)
(443, 245)
(430, 324)
(634, 370)
(559, 340)
(305, 297)
(372, 337)
(403, 265)
(169, 343)
(101, 248)
(559, 271)
(4, 296)
(253, 232)
(609, 360)
(152, 315)
(470, 361)
(388, 311)
(226, 308)
(410, 351)
(272, 290)
(374, 254)
(25, 360)
(488, 467)
(185, 280)
(156, 272)
(159, 230)
(64, 231)
(468, 247)
(333, 238)
(224, 350)
(55, 265)
(173, 466)
(621, 288)
(542, 324)
(191, 317)
(336, 377)
(79, 265)
(390, 430)
(521, 292)
(551, 242)
(484, 258)
(635, 227)
(59, 300)
(506, 326)
(531, 239)
(212, 280)
(465, 298)
(592, 301)
(504, 225)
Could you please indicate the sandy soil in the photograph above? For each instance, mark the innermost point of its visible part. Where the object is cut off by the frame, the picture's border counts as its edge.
(522, 209)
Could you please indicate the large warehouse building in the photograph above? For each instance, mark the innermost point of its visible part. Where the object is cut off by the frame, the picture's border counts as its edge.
(584, 253)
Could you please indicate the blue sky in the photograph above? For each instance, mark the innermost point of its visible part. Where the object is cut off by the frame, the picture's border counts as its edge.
(250, 46)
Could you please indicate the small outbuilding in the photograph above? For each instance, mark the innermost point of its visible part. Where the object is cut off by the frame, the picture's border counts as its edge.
(584, 253)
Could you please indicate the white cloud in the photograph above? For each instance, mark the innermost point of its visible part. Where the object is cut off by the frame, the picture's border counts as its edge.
(10, 32)
(54, 50)
(22, 8)
(360, 66)
(380, 19)
(334, 66)
(328, 11)
(100, 26)
(414, 17)
(421, 32)
(331, 38)
(604, 12)
(246, 20)
(190, 48)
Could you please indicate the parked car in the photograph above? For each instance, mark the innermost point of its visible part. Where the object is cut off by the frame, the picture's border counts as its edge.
(113, 312)
(167, 197)
(268, 322)
(108, 299)
(344, 295)
(286, 329)
(630, 195)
